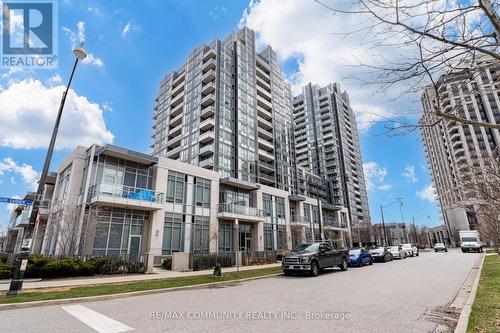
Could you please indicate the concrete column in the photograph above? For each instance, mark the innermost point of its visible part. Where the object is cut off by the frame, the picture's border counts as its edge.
(236, 235)
(288, 230)
(214, 221)
(259, 236)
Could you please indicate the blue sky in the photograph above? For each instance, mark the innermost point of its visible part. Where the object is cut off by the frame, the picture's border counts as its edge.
(134, 44)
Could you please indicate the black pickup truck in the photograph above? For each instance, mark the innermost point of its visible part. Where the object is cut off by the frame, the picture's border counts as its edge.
(312, 257)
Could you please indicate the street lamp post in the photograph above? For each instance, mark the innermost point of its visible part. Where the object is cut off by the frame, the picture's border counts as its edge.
(16, 283)
(398, 200)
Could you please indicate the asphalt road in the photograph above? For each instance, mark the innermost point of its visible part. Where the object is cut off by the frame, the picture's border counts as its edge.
(390, 297)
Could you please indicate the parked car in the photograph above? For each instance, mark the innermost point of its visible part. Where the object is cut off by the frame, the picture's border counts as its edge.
(359, 257)
(312, 257)
(381, 254)
(397, 252)
(410, 250)
(440, 247)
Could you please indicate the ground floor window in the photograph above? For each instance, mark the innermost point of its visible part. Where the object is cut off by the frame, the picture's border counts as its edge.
(200, 240)
(118, 231)
(226, 230)
(173, 233)
(268, 236)
(281, 239)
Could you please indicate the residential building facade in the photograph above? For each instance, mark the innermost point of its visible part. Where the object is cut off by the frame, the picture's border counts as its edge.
(327, 144)
(113, 201)
(455, 151)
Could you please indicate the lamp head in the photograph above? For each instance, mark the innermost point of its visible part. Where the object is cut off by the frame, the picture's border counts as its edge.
(80, 52)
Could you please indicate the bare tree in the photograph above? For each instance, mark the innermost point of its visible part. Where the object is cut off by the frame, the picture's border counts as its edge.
(3, 241)
(71, 234)
(432, 38)
(481, 188)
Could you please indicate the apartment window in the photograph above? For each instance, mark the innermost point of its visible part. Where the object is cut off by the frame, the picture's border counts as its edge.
(268, 236)
(173, 230)
(202, 192)
(267, 203)
(281, 237)
(226, 236)
(280, 208)
(200, 240)
(175, 187)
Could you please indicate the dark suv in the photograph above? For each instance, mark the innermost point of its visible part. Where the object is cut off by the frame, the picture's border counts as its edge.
(312, 257)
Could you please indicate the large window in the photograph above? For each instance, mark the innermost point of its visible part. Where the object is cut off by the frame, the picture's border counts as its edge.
(268, 236)
(226, 230)
(267, 203)
(114, 228)
(200, 240)
(281, 237)
(280, 207)
(173, 231)
(175, 187)
(202, 192)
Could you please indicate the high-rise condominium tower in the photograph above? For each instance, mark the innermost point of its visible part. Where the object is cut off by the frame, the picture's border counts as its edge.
(455, 150)
(327, 144)
(228, 109)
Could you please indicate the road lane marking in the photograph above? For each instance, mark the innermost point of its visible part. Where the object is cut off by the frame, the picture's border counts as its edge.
(95, 320)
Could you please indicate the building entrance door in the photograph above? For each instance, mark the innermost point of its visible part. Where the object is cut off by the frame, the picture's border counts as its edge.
(245, 237)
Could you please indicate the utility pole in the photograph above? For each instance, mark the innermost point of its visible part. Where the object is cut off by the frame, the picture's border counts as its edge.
(383, 225)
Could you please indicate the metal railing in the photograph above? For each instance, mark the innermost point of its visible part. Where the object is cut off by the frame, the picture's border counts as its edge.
(240, 210)
(129, 192)
(259, 257)
(201, 261)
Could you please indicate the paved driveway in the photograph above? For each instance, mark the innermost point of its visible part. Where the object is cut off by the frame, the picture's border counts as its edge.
(390, 297)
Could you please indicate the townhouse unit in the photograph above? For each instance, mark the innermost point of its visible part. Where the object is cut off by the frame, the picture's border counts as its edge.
(455, 151)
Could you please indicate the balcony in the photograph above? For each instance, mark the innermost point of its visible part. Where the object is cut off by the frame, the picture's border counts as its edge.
(265, 156)
(208, 65)
(207, 137)
(175, 131)
(112, 195)
(263, 133)
(264, 123)
(265, 114)
(243, 213)
(207, 149)
(210, 54)
(208, 100)
(176, 90)
(208, 88)
(296, 219)
(174, 122)
(207, 112)
(207, 163)
(266, 144)
(266, 179)
(208, 76)
(177, 100)
(175, 111)
(264, 166)
(207, 124)
(44, 208)
(263, 103)
(174, 153)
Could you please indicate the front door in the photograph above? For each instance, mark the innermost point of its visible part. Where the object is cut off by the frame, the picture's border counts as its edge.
(245, 237)
(134, 246)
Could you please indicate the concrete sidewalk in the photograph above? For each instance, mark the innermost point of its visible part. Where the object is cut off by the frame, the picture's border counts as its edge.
(158, 273)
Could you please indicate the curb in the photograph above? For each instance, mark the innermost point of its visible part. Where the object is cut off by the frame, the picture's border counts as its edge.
(463, 320)
(11, 306)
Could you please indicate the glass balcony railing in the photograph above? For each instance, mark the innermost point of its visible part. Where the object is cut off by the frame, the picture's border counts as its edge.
(240, 210)
(129, 192)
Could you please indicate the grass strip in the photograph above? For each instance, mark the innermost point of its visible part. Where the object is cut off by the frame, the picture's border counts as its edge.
(485, 314)
(126, 287)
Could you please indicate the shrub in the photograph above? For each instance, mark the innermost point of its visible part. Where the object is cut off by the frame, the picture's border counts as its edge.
(167, 263)
(6, 271)
(35, 264)
(100, 265)
(66, 267)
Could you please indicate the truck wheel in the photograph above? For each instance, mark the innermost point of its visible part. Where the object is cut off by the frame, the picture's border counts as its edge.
(287, 272)
(314, 268)
(463, 250)
(417, 254)
(371, 262)
(343, 266)
(481, 250)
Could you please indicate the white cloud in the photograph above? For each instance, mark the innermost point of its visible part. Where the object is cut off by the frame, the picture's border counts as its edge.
(427, 193)
(126, 29)
(78, 37)
(54, 80)
(409, 173)
(27, 122)
(26, 171)
(375, 177)
(306, 31)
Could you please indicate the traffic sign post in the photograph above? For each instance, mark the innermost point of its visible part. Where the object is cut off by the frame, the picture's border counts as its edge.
(16, 201)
